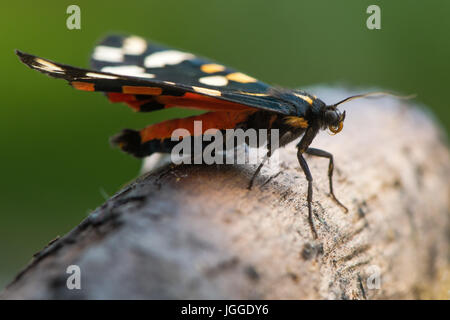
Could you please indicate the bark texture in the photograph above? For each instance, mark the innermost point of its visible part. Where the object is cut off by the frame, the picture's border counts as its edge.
(197, 232)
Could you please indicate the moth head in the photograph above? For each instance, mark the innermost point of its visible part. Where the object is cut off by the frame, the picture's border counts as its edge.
(334, 119)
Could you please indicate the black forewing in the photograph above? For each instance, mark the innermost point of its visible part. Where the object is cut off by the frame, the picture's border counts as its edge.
(110, 82)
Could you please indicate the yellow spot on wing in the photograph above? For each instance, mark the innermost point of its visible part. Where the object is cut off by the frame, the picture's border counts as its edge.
(254, 94)
(298, 122)
(212, 67)
(240, 77)
(305, 98)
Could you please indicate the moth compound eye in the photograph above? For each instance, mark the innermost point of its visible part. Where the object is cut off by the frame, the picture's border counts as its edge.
(331, 117)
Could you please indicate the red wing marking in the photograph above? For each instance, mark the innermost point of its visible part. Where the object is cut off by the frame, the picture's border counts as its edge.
(120, 97)
(85, 86)
(154, 91)
(198, 101)
(188, 100)
(211, 120)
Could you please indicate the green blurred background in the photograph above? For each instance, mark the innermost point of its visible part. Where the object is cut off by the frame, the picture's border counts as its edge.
(56, 162)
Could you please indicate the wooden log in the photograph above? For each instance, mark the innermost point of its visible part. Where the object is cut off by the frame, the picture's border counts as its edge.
(197, 232)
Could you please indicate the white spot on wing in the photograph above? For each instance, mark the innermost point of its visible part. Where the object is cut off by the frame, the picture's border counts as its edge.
(209, 92)
(214, 81)
(47, 66)
(100, 76)
(134, 45)
(109, 54)
(168, 57)
(131, 70)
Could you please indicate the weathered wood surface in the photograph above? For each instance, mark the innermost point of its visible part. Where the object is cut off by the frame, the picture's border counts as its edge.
(197, 232)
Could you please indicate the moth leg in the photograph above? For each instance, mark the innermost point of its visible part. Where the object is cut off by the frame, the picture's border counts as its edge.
(325, 154)
(309, 178)
(266, 157)
(255, 174)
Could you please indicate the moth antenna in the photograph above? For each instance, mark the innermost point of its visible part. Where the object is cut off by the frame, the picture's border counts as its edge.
(373, 94)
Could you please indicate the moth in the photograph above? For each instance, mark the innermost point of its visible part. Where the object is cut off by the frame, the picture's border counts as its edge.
(148, 77)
